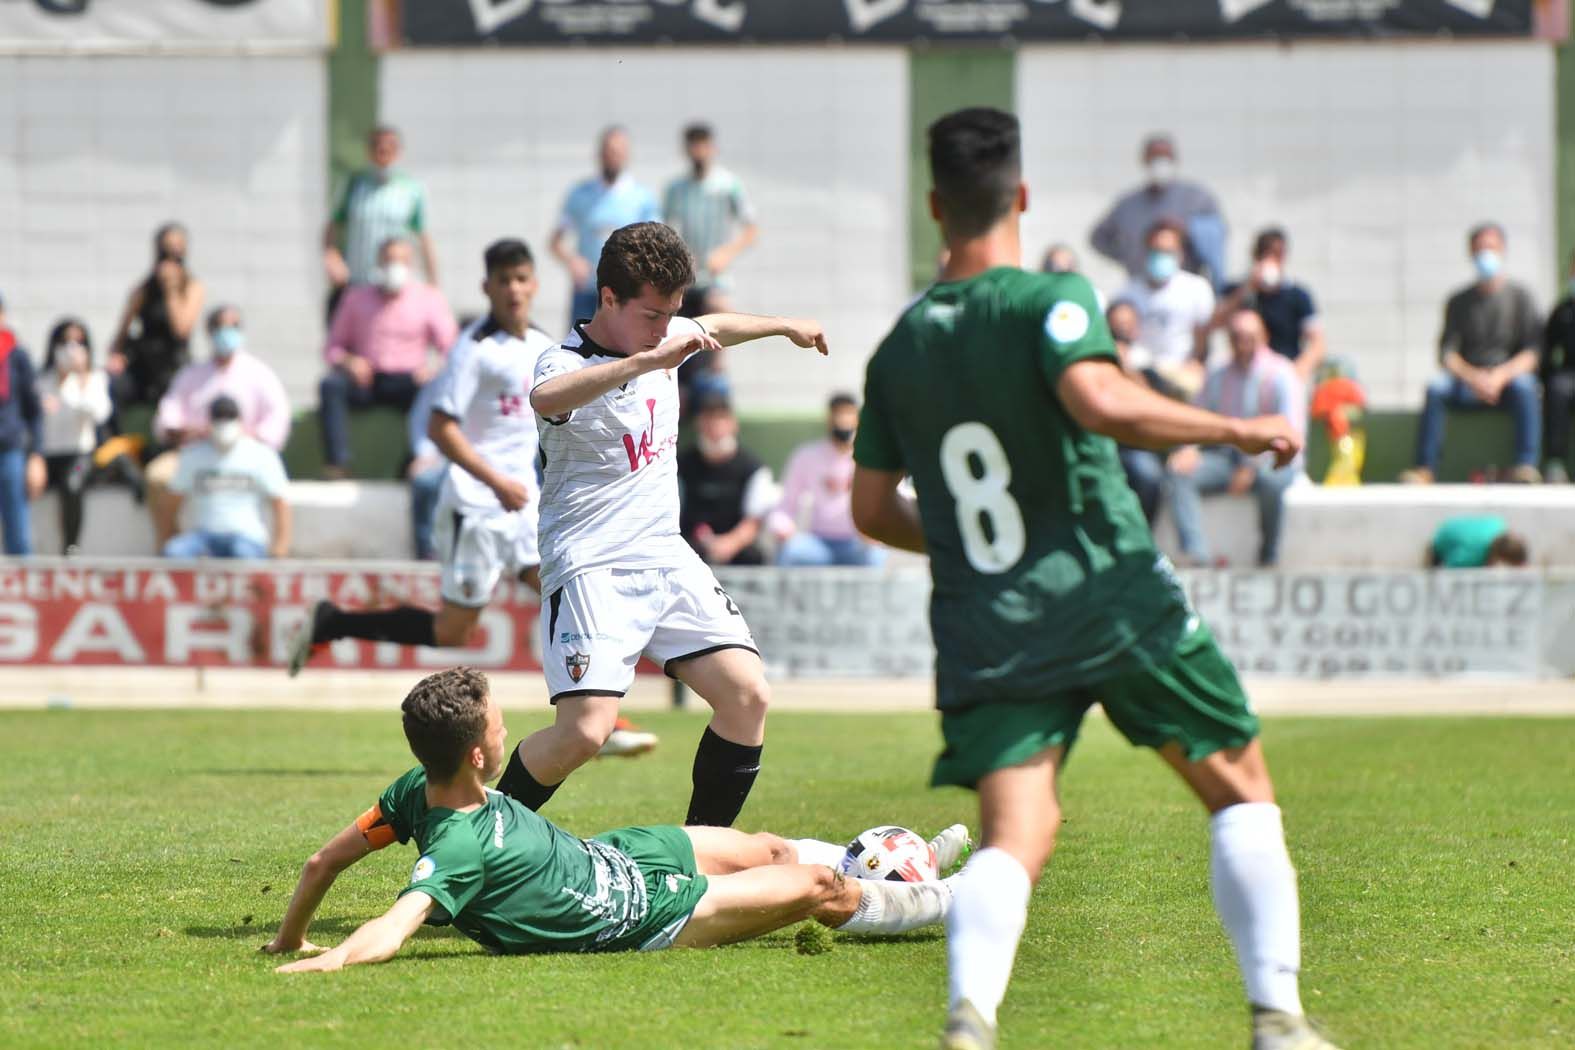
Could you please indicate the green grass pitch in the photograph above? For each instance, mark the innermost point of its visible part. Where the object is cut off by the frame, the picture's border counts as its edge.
(145, 856)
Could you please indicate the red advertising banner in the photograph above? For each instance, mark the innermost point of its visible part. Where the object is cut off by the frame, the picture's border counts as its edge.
(149, 613)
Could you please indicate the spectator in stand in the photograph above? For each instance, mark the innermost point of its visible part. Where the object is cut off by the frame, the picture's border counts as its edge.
(708, 208)
(151, 342)
(814, 521)
(1060, 258)
(1256, 382)
(424, 472)
(1122, 235)
(1145, 468)
(74, 397)
(1489, 351)
(379, 203)
(378, 348)
(1287, 308)
(724, 489)
(1175, 309)
(1471, 541)
(1558, 384)
(228, 478)
(592, 211)
(22, 471)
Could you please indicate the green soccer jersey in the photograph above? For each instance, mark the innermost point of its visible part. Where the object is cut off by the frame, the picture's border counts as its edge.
(1045, 574)
(515, 883)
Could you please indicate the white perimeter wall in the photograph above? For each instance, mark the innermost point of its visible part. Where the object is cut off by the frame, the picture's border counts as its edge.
(96, 152)
(819, 137)
(1376, 157)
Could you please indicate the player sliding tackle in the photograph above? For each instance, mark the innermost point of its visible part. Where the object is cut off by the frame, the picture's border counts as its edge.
(514, 883)
(999, 392)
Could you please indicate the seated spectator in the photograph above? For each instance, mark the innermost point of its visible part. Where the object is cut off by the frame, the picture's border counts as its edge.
(1286, 307)
(378, 348)
(22, 470)
(1174, 311)
(814, 521)
(724, 489)
(424, 472)
(1122, 235)
(1489, 354)
(228, 478)
(1145, 468)
(1256, 382)
(1557, 372)
(1060, 258)
(74, 397)
(150, 344)
(1472, 541)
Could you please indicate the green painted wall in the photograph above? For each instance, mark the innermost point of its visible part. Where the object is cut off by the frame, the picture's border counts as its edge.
(352, 94)
(1564, 149)
(942, 79)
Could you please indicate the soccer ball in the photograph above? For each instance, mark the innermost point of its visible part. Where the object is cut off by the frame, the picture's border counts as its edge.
(890, 853)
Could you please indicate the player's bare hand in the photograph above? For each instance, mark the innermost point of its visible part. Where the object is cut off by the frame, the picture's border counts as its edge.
(327, 962)
(806, 333)
(278, 947)
(511, 493)
(674, 351)
(1270, 434)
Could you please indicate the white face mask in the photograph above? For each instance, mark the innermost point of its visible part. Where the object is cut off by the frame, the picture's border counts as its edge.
(225, 434)
(393, 277)
(72, 356)
(717, 448)
(1161, 171)
(1270, 274)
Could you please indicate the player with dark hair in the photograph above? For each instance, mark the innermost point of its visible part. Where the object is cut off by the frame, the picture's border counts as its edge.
(516, 884)
(999, 392)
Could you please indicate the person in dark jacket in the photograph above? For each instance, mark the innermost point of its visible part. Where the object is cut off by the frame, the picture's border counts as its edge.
(722, 487)
(161, 313)
(1557, 372)
(21, 467)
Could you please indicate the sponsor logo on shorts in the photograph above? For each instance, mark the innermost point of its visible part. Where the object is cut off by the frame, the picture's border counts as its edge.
(571, 637)
(577, 664)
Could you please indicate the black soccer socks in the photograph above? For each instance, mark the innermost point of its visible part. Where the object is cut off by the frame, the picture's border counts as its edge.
(406, 625)
(723, 774)
(517, 783)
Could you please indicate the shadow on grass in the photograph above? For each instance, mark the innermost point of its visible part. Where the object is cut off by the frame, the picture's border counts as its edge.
(250, 930)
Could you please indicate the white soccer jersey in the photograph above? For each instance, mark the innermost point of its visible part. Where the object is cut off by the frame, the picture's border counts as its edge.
(486, 386)
(610, 471)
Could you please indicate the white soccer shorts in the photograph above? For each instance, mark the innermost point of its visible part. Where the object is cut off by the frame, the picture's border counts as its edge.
(596, 627)
(477, 548)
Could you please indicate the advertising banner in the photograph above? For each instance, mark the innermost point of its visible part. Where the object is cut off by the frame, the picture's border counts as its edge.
(133, 26)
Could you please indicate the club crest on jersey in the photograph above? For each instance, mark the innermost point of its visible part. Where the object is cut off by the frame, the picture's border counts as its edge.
(1066, 322)
(577, 664)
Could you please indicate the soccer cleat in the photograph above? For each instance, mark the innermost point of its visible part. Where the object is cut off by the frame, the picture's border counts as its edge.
(951, 846)
(1278, 1030)
(301, 647)
(626, 741)
(966, 1029)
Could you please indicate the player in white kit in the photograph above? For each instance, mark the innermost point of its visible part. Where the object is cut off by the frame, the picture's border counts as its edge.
(618, 580)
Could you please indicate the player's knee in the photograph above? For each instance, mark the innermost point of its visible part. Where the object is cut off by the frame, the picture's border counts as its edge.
(581, 740)
(776, 848)
(448, 633)
(750, 702)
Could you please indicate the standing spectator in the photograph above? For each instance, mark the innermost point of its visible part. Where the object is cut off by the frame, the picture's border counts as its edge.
(74, 397)
(1122, 235)
(814, 521)
(424, 472)
(1174, 309)
(378, 348)
(1558, 384)
(228, 478)
(22, 470)
(1489, 354)
(710, 212)
(1256, 382)
(379, 203)
(592, 211)
(722, 488)
(1145, 468)
(155, 329)
(1287, 308)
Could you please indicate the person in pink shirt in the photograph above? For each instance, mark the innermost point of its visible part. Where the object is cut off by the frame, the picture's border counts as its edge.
(814, 522)
(379, 347)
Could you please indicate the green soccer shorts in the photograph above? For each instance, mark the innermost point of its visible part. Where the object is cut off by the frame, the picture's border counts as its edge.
(673, 883)
(1195, 699)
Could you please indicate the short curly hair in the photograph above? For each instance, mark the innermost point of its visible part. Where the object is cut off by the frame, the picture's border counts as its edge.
(446, 716)
(645, 253)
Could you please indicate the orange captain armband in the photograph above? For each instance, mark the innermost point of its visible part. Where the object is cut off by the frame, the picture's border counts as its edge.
(375, 828)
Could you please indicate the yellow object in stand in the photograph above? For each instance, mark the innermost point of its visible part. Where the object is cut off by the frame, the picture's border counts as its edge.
(1345, 459)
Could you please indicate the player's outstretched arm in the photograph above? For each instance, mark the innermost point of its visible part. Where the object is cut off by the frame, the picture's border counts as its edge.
(372, 942)
(560, 395)
(883, 513)
(445, 432)
(1102, 399)
(732, 329)
(321, 869)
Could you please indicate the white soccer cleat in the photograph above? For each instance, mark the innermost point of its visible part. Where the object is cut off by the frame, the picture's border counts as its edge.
(627, 740)
(1278, 1030)
(966, 1029)
(951, 846)
(300, 647)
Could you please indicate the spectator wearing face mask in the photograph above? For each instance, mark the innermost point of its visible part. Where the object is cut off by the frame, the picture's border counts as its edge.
(1287, 308)
(74, 398)
(1122, 235)
(379, 202)
(814, 521)
(151, 342)
(22, 471)
(229, 481)
(1175, 309)
(723, 489)
(1557, 372)
(1144, 468)
(1489, 352)
(379, 348)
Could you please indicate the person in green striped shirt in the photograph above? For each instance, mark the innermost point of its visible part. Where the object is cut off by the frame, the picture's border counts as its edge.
(709, 210)
(378, 203)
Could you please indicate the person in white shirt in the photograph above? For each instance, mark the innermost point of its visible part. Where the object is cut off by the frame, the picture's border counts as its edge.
(74, 398)
(619, 580)
(1175, 309)
(229, 479)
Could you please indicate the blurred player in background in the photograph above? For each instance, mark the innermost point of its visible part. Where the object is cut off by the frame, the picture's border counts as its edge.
(617, 577)
(999, 392)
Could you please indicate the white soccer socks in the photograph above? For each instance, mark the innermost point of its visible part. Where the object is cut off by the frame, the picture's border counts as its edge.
(989, 911)
(814, 851)
(1255, 894)
(897, 907)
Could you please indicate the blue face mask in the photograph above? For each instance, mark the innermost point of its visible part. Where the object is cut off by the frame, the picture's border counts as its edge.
(1162, 266)
(227, 340)
(1488, 263)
